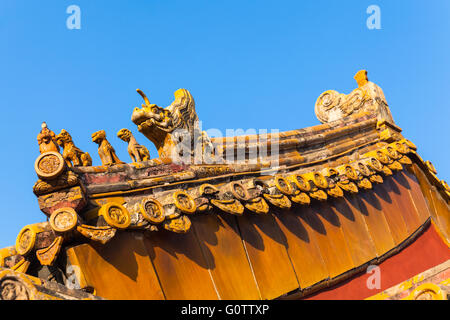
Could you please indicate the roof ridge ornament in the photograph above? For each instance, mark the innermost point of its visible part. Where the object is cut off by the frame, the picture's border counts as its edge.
(105, 149)
(361, 78)
(174, 130)
(368, 97)
(47, 139)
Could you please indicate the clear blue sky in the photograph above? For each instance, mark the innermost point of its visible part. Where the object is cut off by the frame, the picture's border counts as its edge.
(249, 64)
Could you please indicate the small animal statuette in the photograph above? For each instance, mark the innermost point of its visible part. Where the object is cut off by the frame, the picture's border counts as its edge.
(71, 154)
(46, 140)
(105, 150)
(137, 152)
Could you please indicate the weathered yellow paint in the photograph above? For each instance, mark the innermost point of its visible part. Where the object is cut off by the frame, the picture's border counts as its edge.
(379, 296)
(445, 282)
(183, 272)
(432, 291)
(302, 248)
(264, 244)
(222, 247)
(120, 269)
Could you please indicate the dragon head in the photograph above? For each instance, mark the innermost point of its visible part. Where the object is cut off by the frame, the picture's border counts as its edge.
(158, 124)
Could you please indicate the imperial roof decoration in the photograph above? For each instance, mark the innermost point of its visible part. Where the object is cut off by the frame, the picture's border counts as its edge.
(357, 147)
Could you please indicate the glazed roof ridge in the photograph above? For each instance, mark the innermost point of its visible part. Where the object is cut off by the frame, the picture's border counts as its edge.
(357, 147)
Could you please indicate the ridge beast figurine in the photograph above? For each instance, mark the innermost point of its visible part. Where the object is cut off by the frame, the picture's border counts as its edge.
(46, 140)
(71, 154)
(105, 150)
(136, 151)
